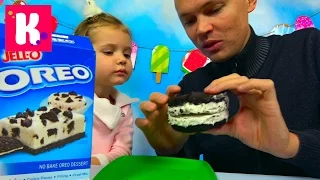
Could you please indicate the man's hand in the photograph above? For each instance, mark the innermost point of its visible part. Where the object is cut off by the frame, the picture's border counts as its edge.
(259, 122)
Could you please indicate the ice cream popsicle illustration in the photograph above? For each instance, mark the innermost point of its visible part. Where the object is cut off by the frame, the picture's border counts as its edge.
(160, 61)
(193, 60)
(303, 22)
(281, 29)
(134, 54)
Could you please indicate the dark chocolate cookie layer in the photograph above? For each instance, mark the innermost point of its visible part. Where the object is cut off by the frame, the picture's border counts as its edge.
(9, 145)
(198, 128)
(196, 98)
(58, 144)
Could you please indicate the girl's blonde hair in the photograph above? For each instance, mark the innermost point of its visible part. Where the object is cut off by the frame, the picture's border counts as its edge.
(100, 20)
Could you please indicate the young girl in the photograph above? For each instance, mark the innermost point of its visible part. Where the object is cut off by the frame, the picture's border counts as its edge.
(113, 121)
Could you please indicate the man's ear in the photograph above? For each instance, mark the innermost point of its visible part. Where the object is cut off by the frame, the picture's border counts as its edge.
(251, 5)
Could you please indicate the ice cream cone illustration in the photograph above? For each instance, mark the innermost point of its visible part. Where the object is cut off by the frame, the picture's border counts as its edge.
(91, 8)
(303, 22)
(281, 29)
(19, 2)
(134, 54)
(1, 2)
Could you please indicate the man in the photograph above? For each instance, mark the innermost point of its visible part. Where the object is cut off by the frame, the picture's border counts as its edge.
(276, 129)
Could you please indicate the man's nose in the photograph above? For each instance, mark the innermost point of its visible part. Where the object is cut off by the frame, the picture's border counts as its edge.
(203, 25)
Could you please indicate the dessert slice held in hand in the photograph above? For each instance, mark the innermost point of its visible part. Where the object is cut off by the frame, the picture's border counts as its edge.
(198, 112)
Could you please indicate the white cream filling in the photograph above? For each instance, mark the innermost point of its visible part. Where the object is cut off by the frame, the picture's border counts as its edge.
(32, 136)
(193, 120)
(204, 108)
(13, 150)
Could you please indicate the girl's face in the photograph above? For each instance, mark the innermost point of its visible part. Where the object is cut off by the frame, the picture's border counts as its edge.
(113, 51)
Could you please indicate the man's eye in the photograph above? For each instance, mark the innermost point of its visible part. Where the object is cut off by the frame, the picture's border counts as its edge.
(190, 21)
(216, 10)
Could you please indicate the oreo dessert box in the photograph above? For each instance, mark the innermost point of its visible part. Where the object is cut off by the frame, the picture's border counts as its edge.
(47, 110)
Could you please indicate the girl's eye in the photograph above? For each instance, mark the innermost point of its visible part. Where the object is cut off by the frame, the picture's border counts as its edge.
(108, 52)
(127, 56)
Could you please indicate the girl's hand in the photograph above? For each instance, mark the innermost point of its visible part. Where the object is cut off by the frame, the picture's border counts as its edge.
(95, 161)
(155, 127)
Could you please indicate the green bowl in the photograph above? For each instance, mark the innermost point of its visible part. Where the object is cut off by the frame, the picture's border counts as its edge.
(156, 168)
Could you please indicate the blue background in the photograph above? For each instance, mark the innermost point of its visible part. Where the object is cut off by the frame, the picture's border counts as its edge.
(154, 22)
(32, 99)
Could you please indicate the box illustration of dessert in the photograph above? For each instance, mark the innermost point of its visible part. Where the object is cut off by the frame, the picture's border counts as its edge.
(47, 110)
(43, 129)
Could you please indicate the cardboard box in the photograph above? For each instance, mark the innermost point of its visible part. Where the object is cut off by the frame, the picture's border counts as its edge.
(47, 110)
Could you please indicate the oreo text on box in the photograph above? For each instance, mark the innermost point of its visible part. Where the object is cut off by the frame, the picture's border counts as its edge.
(27, 28)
